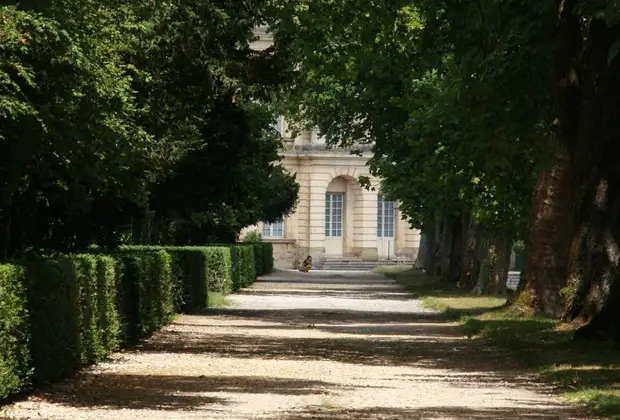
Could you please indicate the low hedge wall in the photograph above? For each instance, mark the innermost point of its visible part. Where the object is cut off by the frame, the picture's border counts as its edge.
(263, 258)
(147, 292)
(243, 267)
(196, 271)
(14, 335)
(59, 313)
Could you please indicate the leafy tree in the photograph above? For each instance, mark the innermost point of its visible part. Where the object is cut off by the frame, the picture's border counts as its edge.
(107, 108)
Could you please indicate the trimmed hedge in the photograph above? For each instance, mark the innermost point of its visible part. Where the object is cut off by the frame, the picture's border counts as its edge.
(59, 313)
(73, 317)
(197, 270)
(14, 335)
(243, 271)
(263, 254)
(147, 297)
(267, 258)
(53, 305)
(218, 268)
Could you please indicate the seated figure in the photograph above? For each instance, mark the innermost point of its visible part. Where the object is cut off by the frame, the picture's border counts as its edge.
(306, 265)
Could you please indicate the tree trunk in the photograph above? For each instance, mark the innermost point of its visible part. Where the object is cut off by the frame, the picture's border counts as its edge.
(457, 251)
(548, 242)
(445, 250)
(420, 261)
(553, 204)
(593, 291)
(468, 269)
(433, 246)
(7, 219)
(594, 294)
(502, 245)
(482, 280)
(481, 263)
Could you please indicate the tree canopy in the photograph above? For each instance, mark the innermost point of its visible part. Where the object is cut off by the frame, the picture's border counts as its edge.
(491, 121)
(152, 118)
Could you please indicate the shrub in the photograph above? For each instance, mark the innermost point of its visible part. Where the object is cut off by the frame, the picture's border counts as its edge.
(189, 271)
(147, 292)
(263, 258)
(73, 319)
(259, 258)
(267, 258)
(252, 237)
(107, 313)
(53, 307)
(243, 270)
(14, 337)
(218, 269)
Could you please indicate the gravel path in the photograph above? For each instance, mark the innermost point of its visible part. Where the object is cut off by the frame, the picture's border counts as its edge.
(333, 346)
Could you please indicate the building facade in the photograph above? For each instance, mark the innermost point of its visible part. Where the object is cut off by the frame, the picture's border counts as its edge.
(335, 217)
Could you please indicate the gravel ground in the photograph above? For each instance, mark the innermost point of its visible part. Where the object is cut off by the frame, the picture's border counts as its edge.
(322, 345)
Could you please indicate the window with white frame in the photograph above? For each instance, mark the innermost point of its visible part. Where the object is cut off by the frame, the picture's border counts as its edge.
(273, 230)
(333, 214)
(385, 218)
(279, 125)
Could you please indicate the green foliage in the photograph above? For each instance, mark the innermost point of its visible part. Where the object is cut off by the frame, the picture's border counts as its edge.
(243, 269)
(147, 298)
(217, 300)
(14, 334)
(218, 269)
(252, 236)
(73, 314)
(267, 258)
(108, 324)
(263, 258)
(259, 258)
(62, 312)
(456, 111)
(190, 274)
(112, 121)
(53, 297)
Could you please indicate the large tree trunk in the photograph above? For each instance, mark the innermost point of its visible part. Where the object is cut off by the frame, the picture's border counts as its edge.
(593, 292)
(548, 241)
(552, 214)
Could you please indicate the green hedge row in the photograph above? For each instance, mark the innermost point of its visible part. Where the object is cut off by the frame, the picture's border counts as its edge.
(59, 313)
(14, 353)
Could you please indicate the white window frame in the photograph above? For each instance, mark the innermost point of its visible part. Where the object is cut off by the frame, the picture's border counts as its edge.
(273, 230)
(279, 125)
(334, 211)
(385, 217)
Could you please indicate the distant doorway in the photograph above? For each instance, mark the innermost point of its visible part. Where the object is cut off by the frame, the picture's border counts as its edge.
(334, 204)
(385, 227)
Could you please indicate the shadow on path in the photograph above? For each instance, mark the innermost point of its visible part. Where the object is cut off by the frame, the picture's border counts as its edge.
(430, 413)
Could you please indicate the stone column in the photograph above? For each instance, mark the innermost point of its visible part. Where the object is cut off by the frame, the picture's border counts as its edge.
(368, 217)
(316, 222)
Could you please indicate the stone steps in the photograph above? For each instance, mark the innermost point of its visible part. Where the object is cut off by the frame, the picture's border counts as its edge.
(342, 264)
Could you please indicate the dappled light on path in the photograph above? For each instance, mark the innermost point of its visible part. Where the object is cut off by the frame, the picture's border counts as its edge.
(313, 346)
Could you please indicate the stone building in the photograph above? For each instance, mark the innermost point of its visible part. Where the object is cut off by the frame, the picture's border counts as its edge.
(335, 218)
